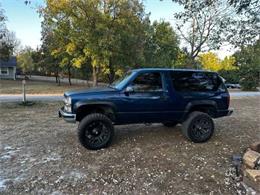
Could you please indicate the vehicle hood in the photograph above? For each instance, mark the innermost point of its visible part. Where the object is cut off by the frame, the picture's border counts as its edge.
(91, 91)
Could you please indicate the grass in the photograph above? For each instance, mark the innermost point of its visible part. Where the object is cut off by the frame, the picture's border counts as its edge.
(36, 87)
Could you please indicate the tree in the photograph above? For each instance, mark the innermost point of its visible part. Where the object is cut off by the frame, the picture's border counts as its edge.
(208, 24)
(244, 28)
(25, 61)
(228, 63)
(248, 61)
(201, 24)
(161, 46)
(105, 33)
(8, 41)
(211, 61)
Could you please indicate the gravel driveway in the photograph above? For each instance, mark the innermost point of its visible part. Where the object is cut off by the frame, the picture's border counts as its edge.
(40, 154)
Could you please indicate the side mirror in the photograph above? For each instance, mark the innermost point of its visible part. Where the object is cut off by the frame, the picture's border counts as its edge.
(129, 89)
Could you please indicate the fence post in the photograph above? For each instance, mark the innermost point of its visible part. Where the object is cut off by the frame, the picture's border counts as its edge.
(24, 92)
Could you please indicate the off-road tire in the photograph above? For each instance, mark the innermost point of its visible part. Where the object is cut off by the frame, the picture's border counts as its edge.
(170, 124)
(90, 126)
(198, 127)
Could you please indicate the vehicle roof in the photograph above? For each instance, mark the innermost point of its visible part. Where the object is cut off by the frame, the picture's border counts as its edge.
(169, 69)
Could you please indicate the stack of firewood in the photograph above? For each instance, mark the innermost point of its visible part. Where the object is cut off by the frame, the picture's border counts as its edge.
(251, 167)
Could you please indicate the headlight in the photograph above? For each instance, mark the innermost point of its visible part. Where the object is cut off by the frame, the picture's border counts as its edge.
(67, 100)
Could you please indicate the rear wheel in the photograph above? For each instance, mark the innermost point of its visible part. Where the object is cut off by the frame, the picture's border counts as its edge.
(170, 124)
(198, 127)
(95, 131)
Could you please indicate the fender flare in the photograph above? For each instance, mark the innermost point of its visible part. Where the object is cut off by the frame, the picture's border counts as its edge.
(194, 103)
(79, 104)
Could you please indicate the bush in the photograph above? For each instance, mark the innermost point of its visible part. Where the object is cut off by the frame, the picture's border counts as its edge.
(231, 76)
(249, 77)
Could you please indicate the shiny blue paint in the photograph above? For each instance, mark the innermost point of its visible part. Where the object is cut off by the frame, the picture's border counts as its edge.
(160, 106)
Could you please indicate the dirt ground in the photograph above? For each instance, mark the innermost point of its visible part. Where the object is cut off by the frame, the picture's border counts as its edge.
(40, 154)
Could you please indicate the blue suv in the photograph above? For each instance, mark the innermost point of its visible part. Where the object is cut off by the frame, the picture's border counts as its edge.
(168, 96)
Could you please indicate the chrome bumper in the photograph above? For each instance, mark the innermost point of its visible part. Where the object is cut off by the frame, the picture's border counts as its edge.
(69, 117)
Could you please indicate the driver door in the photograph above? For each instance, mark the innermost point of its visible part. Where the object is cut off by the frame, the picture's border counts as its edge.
(147, 100)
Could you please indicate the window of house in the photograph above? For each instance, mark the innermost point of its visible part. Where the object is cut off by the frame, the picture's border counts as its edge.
(4, 71)
(147, 82)
(195, 81)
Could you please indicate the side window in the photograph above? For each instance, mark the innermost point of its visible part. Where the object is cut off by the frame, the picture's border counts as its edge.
(3, 71)
(195, 81)
(147, 82)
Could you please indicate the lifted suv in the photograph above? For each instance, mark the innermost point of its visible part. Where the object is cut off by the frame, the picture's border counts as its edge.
(167, 96)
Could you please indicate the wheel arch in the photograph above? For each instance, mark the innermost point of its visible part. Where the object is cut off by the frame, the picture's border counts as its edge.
(82, 109)
(206, 106)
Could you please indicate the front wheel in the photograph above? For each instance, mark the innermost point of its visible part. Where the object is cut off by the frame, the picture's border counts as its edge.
(95, 131)
(198, 127)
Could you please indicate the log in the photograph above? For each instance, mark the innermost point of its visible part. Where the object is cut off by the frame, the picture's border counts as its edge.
(250, 158)
(252, 178)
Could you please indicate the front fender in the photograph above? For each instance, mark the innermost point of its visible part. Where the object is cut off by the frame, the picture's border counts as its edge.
(91, 103)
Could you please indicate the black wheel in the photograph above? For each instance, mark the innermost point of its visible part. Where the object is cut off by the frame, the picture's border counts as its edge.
(198, 127)
(95, 131)
(170, 124)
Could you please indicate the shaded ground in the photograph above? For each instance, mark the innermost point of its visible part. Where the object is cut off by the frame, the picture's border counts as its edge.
(36, 87)
(40, 154)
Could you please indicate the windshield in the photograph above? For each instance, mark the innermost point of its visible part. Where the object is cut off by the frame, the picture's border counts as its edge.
(120, 83)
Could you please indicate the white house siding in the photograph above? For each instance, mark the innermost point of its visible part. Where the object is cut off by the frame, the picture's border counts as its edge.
(10, 75)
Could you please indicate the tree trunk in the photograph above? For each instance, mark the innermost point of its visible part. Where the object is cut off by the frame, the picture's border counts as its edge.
(95, 76)
(56, 76)
(69, 75)
(111, 71)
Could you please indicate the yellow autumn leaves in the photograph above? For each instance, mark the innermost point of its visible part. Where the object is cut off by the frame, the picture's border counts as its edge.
(210, 61)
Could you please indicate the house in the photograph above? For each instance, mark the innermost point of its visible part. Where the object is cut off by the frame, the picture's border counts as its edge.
(8, 68)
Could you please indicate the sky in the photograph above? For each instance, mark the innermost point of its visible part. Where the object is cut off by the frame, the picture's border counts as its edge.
(26, 23)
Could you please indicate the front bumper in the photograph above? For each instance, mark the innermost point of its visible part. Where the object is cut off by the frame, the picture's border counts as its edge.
(69, 117)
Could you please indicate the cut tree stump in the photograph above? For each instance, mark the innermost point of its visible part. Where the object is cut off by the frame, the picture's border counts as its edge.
(250, 159)
(252, 178)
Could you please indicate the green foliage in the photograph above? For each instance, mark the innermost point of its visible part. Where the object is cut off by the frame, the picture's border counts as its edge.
(201, 24)
(231, 76)
(211, 23)
(106, 36)
(248, 60)
(162, 45)
(8, 40)
(25, 61)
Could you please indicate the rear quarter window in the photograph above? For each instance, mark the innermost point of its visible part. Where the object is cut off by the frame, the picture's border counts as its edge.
(195, 81)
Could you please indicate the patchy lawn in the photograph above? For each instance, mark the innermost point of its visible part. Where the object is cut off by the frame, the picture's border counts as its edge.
(40, 154)
(36, 87)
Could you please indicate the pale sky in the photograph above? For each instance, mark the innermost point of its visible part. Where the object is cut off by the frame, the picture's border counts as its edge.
(26, 23)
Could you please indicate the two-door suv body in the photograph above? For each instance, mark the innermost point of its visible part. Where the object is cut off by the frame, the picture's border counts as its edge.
(151, 95)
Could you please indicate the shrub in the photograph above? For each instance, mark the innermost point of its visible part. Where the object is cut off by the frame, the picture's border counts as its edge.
(249, 77)
(231, 76)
